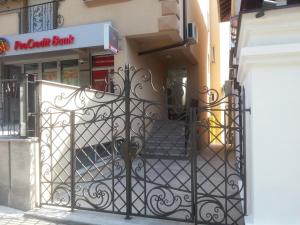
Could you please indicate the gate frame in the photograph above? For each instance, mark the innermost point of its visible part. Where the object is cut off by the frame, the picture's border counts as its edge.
(128, 157)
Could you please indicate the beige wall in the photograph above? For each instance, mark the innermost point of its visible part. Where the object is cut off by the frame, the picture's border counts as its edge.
(206, 73)
(214, 46)
(10, 5)
(215, 65)
(9, 21)
(18, 178)
(200, 50)
(149, 62)
(129, 17)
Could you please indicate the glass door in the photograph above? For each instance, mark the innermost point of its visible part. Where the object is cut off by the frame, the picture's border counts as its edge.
(177, 93)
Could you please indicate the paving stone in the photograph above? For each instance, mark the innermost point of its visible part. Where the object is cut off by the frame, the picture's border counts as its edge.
(10, 216)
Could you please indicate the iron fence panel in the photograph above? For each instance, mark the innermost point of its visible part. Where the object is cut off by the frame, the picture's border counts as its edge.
(139, 154)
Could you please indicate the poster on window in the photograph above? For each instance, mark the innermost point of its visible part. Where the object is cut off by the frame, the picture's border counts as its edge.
(71, 77)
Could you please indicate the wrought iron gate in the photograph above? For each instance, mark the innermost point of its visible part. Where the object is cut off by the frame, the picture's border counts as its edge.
(135, 153)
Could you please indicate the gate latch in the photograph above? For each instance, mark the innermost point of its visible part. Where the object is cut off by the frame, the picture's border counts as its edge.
(132, 150)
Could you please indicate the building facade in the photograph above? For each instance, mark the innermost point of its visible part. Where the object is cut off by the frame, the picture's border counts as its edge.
(63, 45)
(265, 62)
(56, 42)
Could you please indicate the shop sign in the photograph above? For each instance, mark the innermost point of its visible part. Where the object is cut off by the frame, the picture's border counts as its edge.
(103, 61)
(65, 38)
(111, 39)
(44, 43)
(4, 46)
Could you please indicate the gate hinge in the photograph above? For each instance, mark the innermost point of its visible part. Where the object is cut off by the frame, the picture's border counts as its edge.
(248, 110)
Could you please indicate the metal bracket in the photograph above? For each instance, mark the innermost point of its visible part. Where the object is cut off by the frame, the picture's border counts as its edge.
(248, 110)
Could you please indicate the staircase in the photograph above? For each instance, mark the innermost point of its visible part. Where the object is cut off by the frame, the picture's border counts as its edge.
(168, 138)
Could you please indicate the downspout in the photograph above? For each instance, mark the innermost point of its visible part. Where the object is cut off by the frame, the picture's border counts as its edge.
(176, 45)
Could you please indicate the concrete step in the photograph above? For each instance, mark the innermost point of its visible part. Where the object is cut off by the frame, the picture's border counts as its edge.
(165, 141)
(163, 150)
(80, 217)
(167, 137)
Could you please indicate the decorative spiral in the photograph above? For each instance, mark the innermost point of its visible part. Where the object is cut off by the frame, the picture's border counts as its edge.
(163, 202)
(97, 195)
(210, 210)
(62, 195)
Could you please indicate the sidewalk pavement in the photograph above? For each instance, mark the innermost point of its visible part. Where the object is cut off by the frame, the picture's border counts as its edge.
(62, 216)
(80, 217)
(9, 216)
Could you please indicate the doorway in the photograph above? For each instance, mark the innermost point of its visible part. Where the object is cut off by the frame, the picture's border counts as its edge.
(32, 69)
(177, 93)
(103, 66)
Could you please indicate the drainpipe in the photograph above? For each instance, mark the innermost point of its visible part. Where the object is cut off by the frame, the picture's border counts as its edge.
(176, 45)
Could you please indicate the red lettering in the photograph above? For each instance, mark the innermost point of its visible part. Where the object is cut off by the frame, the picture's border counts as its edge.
(55, 40)
(17, 45)
(30, 43)
(48, 42)
(45, 42)
(72, 39)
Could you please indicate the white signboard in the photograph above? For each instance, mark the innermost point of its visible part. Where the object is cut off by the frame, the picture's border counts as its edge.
(111, 39)
(91, 35)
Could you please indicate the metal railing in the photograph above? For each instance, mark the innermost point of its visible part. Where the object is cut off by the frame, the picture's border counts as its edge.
(17, 107)
(40, 17)
(36, 18)
(9, 107)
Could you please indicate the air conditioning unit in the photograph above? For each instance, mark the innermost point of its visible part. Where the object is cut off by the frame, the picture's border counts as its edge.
(192, 33)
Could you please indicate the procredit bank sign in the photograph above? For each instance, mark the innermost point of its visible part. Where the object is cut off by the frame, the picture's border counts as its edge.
(91, 35)
(55, 41)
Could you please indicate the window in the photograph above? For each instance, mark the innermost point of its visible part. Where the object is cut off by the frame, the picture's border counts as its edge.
(50, 71)
(32, 69)
(39, 15)
(70, 72)
(103, 66)
(87, 156)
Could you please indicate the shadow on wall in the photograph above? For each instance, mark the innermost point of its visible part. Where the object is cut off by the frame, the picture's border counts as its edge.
(104, 2)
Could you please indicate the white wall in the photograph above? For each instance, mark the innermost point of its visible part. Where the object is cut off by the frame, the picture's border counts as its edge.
(275, 147)
(270, 73)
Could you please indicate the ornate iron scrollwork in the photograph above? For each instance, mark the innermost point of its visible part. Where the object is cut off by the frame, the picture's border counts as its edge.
(136, 153)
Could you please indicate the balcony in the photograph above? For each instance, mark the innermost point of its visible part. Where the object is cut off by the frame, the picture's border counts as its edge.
(39, 17)
(29, 19)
